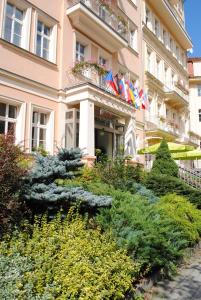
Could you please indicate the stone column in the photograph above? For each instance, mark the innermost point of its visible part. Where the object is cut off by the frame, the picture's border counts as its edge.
(86, 130)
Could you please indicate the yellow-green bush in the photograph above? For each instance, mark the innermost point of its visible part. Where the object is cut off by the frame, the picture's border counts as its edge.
(183, 214)
(65, 260)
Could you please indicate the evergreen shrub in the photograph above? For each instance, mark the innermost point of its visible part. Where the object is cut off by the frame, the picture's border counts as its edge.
(184, 214)
(151, 236)
(42, 192)
(164, 184)
(164, 163)
(64, 260)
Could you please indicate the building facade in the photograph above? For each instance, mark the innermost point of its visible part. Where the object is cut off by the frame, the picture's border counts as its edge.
(194, 68)
(52, 59)
(165, 42)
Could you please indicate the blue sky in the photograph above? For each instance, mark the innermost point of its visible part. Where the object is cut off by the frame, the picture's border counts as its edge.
(193, 24)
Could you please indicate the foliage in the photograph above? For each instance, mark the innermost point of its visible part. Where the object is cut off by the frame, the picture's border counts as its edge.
(164, 163)
(152, 237)
(119, 172)
(42, 192)
(164, 184)
(11, 177)
(64, 260)
(85, 65)
(183, 214)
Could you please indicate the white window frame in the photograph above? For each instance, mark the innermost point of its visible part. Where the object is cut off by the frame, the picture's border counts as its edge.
(7, 119)
(14, 20)
(26, 28)
(49, 22)
(134, 39)
(81, 56)
(74, 121)
(39, 126)
(44, 37)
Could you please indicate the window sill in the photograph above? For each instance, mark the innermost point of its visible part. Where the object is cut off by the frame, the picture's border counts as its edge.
(28, 53)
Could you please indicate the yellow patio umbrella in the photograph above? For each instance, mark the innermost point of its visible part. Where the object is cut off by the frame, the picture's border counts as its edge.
(173, 147)
(189, 155)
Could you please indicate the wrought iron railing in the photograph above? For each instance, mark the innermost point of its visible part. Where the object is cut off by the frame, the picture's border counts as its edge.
(191, 177)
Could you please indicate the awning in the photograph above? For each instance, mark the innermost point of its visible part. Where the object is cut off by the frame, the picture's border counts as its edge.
(173, 147)
(189, 155)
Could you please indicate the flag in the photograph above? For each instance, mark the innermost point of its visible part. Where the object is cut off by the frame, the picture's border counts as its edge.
(131, 89)
(144, 99)
(110, 80)
(137, 98)
(121, 87)
(125, 89)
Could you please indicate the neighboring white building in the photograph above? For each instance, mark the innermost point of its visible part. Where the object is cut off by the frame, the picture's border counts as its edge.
(194, 69)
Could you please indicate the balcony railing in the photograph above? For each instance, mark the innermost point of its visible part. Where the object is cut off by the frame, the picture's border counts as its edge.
(154, 122)
(113, 17)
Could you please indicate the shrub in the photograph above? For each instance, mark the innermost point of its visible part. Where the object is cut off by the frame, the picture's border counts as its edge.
(154, 234)
(64, 260)
(42, 192)
(183, 214)
(164, 184)
(164, 163)
(11, 178)
(149, 238)
(119, 173)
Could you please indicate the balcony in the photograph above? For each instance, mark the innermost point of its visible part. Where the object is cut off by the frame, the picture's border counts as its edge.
(158, 127)
(99, 23)
(88, 83)
(175, 97)
(153, 81)
(171, 17)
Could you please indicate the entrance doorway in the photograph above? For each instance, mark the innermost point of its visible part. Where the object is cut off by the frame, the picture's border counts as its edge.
(104, 141)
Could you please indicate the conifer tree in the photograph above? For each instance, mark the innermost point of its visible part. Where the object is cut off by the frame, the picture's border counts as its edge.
(42, 191)
(164, 163)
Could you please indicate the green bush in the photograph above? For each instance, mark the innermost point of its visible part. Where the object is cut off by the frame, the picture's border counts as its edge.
(151, 236)
(64, 260)
(181, 212)
(164, 163)
(164, 184)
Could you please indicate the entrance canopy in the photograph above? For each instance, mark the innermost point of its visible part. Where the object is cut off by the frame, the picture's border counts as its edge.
(189, 155)
(173, 147)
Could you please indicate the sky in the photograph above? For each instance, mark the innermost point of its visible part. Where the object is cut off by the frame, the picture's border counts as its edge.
(193, 24)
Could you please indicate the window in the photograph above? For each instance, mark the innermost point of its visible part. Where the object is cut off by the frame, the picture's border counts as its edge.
(80, 52)
(156, 28)
(158, 69)
(39, 130)
(177, 52)
(13, 25)
(103, 12)
(199, 90)
(166, 75)
(43, 40)
(172, 80)
(133, 39)
(147, 16)
(103, 63)
(164, 36)
(148, 61)
(72, 129)
(8, 118)
(199, 113)
(171, 44)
